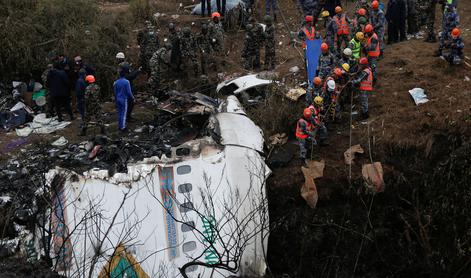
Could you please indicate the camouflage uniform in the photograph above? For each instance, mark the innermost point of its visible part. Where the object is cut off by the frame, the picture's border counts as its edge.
(216, 33)
(160, 68)
(92, 107)
(174, 37)
(378, 20)
(330, 33)
(430, 11)
(326, 63)
(205, 47)
(270, 43)
(250, 52)
(188, 48)
(450, 21)
(149, 44)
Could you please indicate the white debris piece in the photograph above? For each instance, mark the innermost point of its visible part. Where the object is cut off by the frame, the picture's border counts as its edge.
(60, 142)
(419, 96)
(294, 69)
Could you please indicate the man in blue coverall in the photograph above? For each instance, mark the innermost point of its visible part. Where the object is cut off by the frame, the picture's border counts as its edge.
(123, 94)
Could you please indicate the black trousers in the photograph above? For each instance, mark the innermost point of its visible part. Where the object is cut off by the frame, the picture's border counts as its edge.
(205, 4)
(62, 102)
(221, 4)
(396, 31)
(130, 108)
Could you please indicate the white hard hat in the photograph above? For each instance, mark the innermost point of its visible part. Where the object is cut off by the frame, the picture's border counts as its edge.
(347, 52)
(120, 55)
(331, 85)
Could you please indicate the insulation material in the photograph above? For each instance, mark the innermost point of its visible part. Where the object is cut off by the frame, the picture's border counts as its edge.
(349, 154)
(316, 168)
(295, 93)
(373, 175)
(309, 189)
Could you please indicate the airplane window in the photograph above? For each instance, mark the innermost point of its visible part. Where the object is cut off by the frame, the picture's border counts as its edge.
(189, 246)
(191, 268)
(185, 169)
(188, 226)
(185, 207)
(185, 188)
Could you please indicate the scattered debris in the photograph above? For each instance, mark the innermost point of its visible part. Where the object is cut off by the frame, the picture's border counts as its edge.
(278, 139)
(349, 154)
(242, 84)
(295, 94)
(373, 175)
(42, 125)
(419, 96)
(294, 69)
(61, 142)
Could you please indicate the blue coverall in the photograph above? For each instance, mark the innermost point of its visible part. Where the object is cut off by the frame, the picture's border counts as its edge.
(123, 94)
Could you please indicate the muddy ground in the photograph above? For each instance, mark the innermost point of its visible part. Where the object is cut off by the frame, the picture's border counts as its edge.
(419, 226)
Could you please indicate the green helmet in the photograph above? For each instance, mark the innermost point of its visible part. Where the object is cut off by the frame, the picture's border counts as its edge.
(186, 31)
(268, 19)
(362, 20)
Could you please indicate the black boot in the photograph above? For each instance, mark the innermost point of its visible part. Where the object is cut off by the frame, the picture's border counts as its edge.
(83, 131)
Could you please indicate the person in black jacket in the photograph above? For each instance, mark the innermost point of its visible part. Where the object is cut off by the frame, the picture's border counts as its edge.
(59, 87)
(396, 16)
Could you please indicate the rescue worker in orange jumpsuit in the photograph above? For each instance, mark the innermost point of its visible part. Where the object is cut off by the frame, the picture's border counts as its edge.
(364, 81)
(372, 48)
(343, 32)
(308, 32)
(315, 90)
(317, 108)
(304, 132)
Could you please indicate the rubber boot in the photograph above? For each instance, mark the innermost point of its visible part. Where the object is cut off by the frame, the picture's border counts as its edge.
(83, 131)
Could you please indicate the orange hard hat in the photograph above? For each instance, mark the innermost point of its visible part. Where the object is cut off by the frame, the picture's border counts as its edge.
(317, 81)
(324, 47)
(338, 72)
(338, 9)
(375, 5)
(90, 79)
(215, 14)
(361, 12)
(307, 113)
(456, 32)
(309, 18)
(368, 28)
(363, 61)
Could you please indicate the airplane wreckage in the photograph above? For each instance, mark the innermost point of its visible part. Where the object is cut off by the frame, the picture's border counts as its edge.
(200, 208)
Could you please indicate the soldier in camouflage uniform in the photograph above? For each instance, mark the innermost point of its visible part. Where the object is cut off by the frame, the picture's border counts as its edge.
(270, 43)
(430, 7)
(174, 37)
(451, 20)
(160, 68)
(326, 62)
(216, 33)
(92, 106)
(378, 20)
(205, 47)
(189, 48)
(249, 47)
(330, 30)
(258, 41)
(149, 44)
